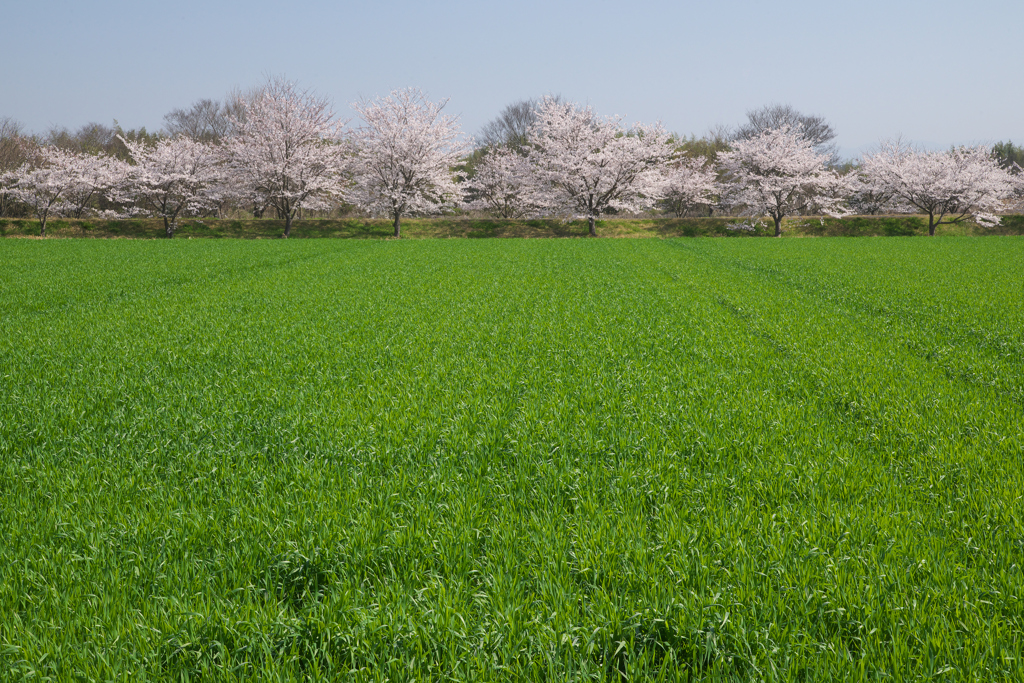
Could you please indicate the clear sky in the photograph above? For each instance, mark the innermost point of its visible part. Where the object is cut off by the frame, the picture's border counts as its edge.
(938, 72)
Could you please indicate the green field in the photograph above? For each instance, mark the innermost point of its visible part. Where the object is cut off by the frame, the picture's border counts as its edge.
(525, 460)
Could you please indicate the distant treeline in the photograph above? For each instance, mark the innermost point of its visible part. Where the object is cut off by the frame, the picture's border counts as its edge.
(498, 175)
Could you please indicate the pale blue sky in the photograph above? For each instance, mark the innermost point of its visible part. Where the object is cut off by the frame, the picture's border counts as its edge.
(937, 72)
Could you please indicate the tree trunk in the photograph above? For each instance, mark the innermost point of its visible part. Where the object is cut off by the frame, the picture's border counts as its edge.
(398, 225)
(778, 227)
(931, 225)
(42, 226)
(593, 233)
(287, 225)
(168, 228)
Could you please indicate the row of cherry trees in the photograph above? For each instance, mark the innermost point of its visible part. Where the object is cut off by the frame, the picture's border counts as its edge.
(286, 149)
(578, 164)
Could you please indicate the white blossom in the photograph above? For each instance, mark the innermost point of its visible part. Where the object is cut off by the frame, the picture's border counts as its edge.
(690, 182)
(286, 150)
(176, 176)
(504, 184)
(865, 196)
(587, 165)
(58, 182)
(948, 186)
(404, 156)
(777, 173)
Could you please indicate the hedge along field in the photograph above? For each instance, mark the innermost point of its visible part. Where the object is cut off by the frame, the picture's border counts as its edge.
(461, 226)
(512, 460)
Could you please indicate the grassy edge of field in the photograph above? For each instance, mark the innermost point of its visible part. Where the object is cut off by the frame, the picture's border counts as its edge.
(464, 227)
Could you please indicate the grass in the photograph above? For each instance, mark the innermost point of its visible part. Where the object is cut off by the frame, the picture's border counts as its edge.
(449, 227)
(783, 460)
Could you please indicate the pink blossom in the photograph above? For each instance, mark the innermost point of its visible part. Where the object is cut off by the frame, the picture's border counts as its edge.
(287, 151)
(587, 166)
(504, 185)
(948, 186)
(777, 173)
(404, 157)
(177, 176)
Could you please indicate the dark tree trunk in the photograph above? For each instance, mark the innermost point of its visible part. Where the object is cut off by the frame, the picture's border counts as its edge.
(778, 227)
(42, 226)
(287, 225)
(398, 225)
(169, 227)
(593, 233)
(931, 225)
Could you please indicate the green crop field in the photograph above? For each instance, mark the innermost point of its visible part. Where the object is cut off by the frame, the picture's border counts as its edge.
(793, 460)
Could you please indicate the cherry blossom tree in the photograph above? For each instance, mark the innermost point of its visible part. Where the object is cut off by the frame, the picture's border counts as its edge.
(589, 165)
(1017, 180)
(14, 149)
(286, 150)
(101, 175)
(867, 197)
(777, 173)
(948, 186)
(503, 185)
(177, 176)
(404, 156)
(58, 182)
(690, 182)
